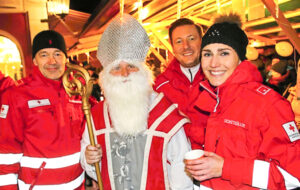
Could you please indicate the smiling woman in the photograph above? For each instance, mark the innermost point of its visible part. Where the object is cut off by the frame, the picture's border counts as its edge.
(218, 62)
(241, 150)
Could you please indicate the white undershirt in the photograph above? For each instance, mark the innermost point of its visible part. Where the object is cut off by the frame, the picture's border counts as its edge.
(190, 72)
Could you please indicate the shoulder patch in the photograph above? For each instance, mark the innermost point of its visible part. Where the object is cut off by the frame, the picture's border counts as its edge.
(263, 89)
(19, 82)
(291, 130)
(3, 111)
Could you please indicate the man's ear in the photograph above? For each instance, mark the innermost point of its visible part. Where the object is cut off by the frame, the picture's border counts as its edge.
(34, 62)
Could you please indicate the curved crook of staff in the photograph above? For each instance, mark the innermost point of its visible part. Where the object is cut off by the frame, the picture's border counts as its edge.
(72, 81)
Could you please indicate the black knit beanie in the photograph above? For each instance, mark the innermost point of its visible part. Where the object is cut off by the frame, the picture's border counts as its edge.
(48, 39)
(228, 33)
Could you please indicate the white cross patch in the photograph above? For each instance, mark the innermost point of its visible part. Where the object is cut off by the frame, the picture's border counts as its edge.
(38, 103)
(4, 111)
(263, 90)
(292, 131)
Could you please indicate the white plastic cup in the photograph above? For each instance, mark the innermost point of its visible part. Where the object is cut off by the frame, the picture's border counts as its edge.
(193, 154)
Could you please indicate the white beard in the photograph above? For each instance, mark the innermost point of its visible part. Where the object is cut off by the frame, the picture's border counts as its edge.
(128, 102)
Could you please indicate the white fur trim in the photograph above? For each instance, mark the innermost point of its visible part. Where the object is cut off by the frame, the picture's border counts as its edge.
(152, 132)
(156, 100)
(108, 149)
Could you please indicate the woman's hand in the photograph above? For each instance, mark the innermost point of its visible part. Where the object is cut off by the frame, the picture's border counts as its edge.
(93, 154)
(208, 166)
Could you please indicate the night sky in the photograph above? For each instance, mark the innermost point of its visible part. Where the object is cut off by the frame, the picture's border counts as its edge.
(86, 6)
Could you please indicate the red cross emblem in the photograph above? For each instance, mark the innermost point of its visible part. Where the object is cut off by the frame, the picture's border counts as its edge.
(292, 128)
(263, 90)
(3, 111)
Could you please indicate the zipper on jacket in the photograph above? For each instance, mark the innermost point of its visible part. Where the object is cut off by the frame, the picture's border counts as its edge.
(191, 75)
(217, 142)
(60, 116)
(72, 126)
(215, 95)
(218, 100)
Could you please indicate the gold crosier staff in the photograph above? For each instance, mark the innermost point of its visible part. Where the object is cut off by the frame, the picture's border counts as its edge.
(72, 83)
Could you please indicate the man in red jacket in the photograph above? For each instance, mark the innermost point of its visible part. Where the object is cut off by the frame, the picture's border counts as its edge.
(40, 126)
(180, 81)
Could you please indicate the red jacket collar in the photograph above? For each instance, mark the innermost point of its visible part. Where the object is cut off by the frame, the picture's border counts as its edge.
(57, 84)
(210, 98)
(244, 73)
(174, 68)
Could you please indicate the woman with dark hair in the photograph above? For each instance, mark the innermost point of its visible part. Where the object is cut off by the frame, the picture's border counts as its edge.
(251, 139)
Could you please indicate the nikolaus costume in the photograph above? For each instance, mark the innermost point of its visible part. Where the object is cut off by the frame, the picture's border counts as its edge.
(251, 126)
(40, 132)
(151, 158)
(182, 91)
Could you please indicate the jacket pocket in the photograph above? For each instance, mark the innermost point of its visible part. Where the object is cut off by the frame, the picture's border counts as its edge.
(42, 110)
(76, 117)
(41, 121)
(233, 140)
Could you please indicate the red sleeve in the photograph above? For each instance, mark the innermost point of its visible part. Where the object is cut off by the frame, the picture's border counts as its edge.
(278, 160)
(11, 134)
(281, 145)
(159, 81)
(195, 134)
(238, 170)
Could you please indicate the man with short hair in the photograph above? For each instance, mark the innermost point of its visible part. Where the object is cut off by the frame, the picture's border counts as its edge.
(140, 132)
(180, 81)
(40, 126)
